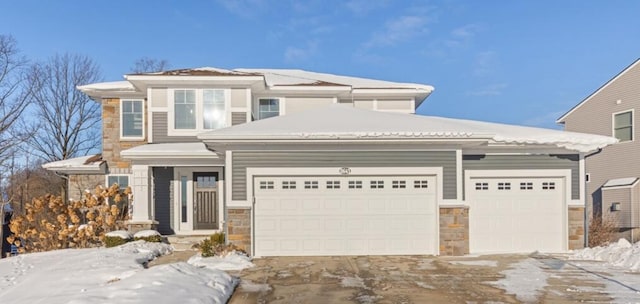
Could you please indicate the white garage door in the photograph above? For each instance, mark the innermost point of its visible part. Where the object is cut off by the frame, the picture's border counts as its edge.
(516, 214)
(339, 215)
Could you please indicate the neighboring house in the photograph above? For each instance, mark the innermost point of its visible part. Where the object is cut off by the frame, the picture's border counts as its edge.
(290, 162)
(612, 187)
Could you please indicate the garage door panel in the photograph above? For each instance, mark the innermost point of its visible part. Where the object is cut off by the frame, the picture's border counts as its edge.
(333, 219)
(520, 217)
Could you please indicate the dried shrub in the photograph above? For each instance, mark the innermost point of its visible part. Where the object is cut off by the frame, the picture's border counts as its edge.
(49, 223)
(215, 245)
(113, 241)
(149, 238)
(602, 230)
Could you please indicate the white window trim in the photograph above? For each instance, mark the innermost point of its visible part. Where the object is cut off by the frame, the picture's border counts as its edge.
(132, 138)
(172, 131)
(281, 104)
(633, 125)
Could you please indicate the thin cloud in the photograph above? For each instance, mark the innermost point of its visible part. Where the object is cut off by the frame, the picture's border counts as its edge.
(363, 7)
(485, 63)
(244, 8)
(546, 120)
(490, 90)
(399, 30)
(297, 53)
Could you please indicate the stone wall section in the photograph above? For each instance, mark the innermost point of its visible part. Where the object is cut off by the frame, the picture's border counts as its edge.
(454, 230)
(111, 143)
(239, 228)
(79, 183)
(576, 228)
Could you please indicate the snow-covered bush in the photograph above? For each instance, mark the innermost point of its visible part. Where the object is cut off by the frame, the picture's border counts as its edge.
(51, 223)
(148, 235)
(116, 238)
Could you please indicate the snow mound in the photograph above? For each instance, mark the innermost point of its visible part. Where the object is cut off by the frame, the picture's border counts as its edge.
(230, 262)
(123, 234)
(146, 233)
(109, 275)
(621, 254)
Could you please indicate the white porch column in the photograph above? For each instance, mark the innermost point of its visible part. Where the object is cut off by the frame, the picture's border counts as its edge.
(141, 203)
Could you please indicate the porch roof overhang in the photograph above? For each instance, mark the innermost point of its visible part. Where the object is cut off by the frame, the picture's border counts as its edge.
(192, 150)
(89, 164)
(343, 124)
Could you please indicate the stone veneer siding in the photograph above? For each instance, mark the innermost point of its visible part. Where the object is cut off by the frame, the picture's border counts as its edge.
(576, 228)
(111, 143)
(79, 183)
(239, 228)
(454, 230)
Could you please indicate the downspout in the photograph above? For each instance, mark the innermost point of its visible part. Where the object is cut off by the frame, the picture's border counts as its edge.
(586, 206)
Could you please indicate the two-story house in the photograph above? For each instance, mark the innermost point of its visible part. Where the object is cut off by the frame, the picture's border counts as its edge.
(290, 162)
(613, 190)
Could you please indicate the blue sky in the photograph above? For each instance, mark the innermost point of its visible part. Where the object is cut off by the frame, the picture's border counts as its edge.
(519, 62)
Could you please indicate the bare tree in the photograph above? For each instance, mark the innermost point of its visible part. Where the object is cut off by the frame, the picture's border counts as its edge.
(150, 65)
(13, 96)
(68, 120)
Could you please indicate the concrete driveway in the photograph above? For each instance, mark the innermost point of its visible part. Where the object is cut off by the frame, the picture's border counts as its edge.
(416, 279)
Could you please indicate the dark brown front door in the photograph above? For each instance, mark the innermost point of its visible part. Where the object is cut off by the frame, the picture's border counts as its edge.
(205, 207)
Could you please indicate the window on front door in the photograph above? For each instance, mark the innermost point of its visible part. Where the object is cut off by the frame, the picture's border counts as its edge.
(131, 113)
(623, 126)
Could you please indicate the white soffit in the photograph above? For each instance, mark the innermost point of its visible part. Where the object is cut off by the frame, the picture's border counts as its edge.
(169, 150)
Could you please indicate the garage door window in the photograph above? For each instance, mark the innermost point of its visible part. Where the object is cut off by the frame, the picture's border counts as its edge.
(311, 184)
(377, 184)
(482, 186)
(355, 184)
(398, 184)
(288, 185)
(526, 186)
(420, 184)
(504, 186)
(266, 185)
(333, 184)
(548, 186)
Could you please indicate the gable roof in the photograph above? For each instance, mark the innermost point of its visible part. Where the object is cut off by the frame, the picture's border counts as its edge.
(565, 115)
(342, 122)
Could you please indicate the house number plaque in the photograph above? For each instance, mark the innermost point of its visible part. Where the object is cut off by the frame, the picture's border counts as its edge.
(345, 171)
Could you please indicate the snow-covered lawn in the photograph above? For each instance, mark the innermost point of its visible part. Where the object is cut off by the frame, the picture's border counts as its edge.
(114, 275)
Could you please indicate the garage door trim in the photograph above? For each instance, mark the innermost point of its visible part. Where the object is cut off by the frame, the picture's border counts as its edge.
(343, 171)
(564, 174)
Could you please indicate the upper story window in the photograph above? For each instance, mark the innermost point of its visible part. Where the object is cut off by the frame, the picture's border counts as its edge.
(197, 110)
(623, 126)
(266, 107)
(131, 122)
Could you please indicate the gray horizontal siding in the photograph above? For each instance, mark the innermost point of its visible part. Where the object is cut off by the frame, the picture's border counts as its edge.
(244, 160)
(163, 211)
(527, 162)
(160, 127)
(238, 118)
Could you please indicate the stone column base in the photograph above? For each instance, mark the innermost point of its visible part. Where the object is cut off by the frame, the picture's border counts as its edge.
(135, 226)
(454, 230)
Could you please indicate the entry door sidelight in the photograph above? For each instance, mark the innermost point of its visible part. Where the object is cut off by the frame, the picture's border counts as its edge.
(205, 207)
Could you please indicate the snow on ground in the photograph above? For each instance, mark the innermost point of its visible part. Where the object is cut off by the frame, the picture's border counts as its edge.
(621, 254)
(109, 275)
(146, 233)
(230, 262)
(617, 265)
(525, 279)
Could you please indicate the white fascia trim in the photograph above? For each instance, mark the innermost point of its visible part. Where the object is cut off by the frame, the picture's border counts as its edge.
(193, 78)
(621, 187)
(163, 155)
(309, 88)
(399, 91)
(563, 117)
